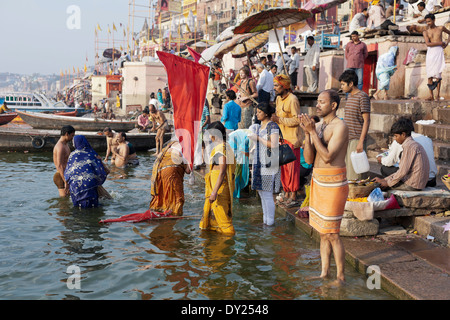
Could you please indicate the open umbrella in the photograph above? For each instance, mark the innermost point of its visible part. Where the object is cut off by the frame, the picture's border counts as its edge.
(255, 42)
(272, 18)
(225, 34)
(230, 44)
(112, 53)
(320, 6)
(208, 54)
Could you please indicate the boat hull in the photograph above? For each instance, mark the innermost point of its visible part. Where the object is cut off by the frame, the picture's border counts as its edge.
(34, 140)
(7, 117)
(42, 109)
(55, 122)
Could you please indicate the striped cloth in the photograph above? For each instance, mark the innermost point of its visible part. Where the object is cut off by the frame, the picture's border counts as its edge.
(329, 191)
(355, 106)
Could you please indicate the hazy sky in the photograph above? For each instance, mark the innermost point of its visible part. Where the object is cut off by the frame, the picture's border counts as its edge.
(41, 36)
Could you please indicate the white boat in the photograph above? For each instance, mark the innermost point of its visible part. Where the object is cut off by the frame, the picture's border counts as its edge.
(35, 102)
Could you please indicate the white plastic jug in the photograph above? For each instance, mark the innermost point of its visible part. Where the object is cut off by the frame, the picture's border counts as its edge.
(360, 162)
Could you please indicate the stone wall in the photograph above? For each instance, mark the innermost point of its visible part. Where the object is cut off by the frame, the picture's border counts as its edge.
(331, 67)
(141, 79)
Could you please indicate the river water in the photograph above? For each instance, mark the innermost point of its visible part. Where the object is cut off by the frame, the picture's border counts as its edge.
(43, 240)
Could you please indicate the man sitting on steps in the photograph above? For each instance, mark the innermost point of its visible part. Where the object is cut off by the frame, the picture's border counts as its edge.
(414, 167)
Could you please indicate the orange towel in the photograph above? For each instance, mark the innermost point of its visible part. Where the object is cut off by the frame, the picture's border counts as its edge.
(329, 191)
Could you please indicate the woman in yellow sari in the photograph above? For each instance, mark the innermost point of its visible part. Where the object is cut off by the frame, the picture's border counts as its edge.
(219, 183)
(167, 180)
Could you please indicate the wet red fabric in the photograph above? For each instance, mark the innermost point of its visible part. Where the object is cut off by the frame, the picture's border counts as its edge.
(188, 83)
(138, 217)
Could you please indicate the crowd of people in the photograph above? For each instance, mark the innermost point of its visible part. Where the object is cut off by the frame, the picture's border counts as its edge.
(261, 113)
(376, 18)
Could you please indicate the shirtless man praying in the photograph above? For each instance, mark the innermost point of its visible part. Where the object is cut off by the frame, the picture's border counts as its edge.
(435, 60)
(160, 125)
(325, 146)
(61, 153)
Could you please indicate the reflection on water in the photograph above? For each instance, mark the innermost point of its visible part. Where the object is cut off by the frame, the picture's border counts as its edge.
(41, 235)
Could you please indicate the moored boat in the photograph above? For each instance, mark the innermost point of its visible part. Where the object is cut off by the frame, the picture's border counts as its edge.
(7, 117)
(67, 114)
(24, 138)
(36, 102)
(54, 122)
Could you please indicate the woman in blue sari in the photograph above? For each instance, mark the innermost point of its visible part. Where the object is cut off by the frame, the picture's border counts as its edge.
(84, 173)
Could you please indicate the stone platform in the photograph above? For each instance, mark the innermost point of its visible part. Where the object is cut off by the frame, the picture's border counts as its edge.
(411, 267)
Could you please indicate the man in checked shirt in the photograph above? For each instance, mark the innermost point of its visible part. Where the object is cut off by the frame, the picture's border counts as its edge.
(414, 167)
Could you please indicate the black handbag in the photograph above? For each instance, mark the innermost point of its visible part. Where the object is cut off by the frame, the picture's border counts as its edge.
(285, 153)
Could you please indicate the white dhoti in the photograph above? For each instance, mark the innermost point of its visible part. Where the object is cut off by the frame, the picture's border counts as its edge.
(311, 79)
(435, 62)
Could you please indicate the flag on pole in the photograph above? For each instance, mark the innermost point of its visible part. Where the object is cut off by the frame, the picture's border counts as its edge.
(85, 68)
(187, 82)
(98, 27)
(114, 27)
(194, 54)
(109, 30)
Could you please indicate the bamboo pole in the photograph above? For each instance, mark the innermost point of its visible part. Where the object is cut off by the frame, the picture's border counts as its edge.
(281, 51)
(395, 8)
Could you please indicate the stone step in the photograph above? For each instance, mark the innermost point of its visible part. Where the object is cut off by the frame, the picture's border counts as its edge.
(417, 109)
(442, 115)
(396, 107)
(432, 227)
(377, 140)
(434, 131)
(441, 150)
(382, 122)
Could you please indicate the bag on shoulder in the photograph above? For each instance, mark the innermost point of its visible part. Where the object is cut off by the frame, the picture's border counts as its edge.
(285, 153)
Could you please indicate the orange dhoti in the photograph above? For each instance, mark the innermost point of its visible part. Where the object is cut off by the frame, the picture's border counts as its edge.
(167, 184)
(328, 195)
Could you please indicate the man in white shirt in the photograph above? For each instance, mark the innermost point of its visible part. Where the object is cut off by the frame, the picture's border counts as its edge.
(419, 12)
(432, 5)
(311, 64)
(377, 19)
(359, 21)
(154, 101)
(279, 63)
(265, 83)
(293, 67)
(389, 162)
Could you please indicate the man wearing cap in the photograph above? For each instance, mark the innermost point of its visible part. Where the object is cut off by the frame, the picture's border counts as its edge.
(286, 115)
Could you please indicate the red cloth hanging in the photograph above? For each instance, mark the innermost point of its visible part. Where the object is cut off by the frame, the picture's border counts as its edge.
(188, 82)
